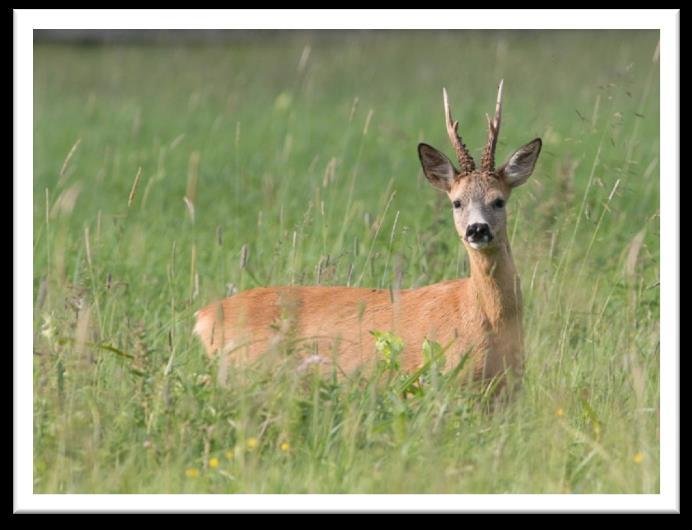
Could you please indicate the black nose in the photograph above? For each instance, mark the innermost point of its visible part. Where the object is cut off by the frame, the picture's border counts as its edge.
(478, 232)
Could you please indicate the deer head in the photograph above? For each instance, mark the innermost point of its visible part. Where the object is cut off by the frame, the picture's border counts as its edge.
(478, 195)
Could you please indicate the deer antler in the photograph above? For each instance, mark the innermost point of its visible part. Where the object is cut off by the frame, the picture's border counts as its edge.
(465, 161)
(488, 158)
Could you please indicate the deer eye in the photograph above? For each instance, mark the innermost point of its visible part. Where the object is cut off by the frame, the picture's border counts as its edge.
(457, 203)
(498, 203)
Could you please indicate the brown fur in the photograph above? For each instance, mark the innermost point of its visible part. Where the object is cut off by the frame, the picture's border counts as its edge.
(336, 322)
(480, 315)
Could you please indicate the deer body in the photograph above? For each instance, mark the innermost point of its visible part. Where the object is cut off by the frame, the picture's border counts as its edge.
(480, 315)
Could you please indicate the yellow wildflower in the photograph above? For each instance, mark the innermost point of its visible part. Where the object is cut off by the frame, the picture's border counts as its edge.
(251, 443)
(283, 101)
(213, 463)
(285, 447)
(559, 412)
(638, 458)
(192, 472)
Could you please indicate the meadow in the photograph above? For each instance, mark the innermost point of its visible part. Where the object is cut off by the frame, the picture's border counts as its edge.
(168, 176)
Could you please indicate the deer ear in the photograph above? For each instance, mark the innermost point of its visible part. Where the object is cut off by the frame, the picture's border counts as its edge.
(438, 169)
(520, 165)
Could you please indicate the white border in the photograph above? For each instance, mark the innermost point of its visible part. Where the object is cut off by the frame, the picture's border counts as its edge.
(670, 260)
(349, 19)
(27, 20)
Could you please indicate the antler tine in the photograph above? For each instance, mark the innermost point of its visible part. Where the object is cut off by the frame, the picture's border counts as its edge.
(465, 161)
(488, 159)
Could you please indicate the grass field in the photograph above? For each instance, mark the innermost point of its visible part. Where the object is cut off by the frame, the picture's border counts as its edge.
(157, 168)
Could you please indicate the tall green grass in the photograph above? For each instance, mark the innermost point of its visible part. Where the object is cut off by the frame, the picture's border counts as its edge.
(166, 177)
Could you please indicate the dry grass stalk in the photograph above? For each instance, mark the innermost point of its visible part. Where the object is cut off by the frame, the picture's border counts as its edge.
(131, 198)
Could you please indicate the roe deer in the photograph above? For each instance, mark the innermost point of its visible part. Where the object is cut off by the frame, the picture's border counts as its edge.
(481, 315)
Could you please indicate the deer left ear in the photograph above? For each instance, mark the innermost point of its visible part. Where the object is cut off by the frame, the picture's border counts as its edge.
(437, 167)
(520, 165)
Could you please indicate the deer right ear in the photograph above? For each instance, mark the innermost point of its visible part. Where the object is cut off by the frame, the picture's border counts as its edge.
(437, 167)
(520, 165)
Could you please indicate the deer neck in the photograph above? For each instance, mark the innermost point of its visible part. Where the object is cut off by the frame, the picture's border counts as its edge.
(495, 284)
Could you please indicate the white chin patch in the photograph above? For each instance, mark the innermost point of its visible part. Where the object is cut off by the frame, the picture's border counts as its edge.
(478, 245)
